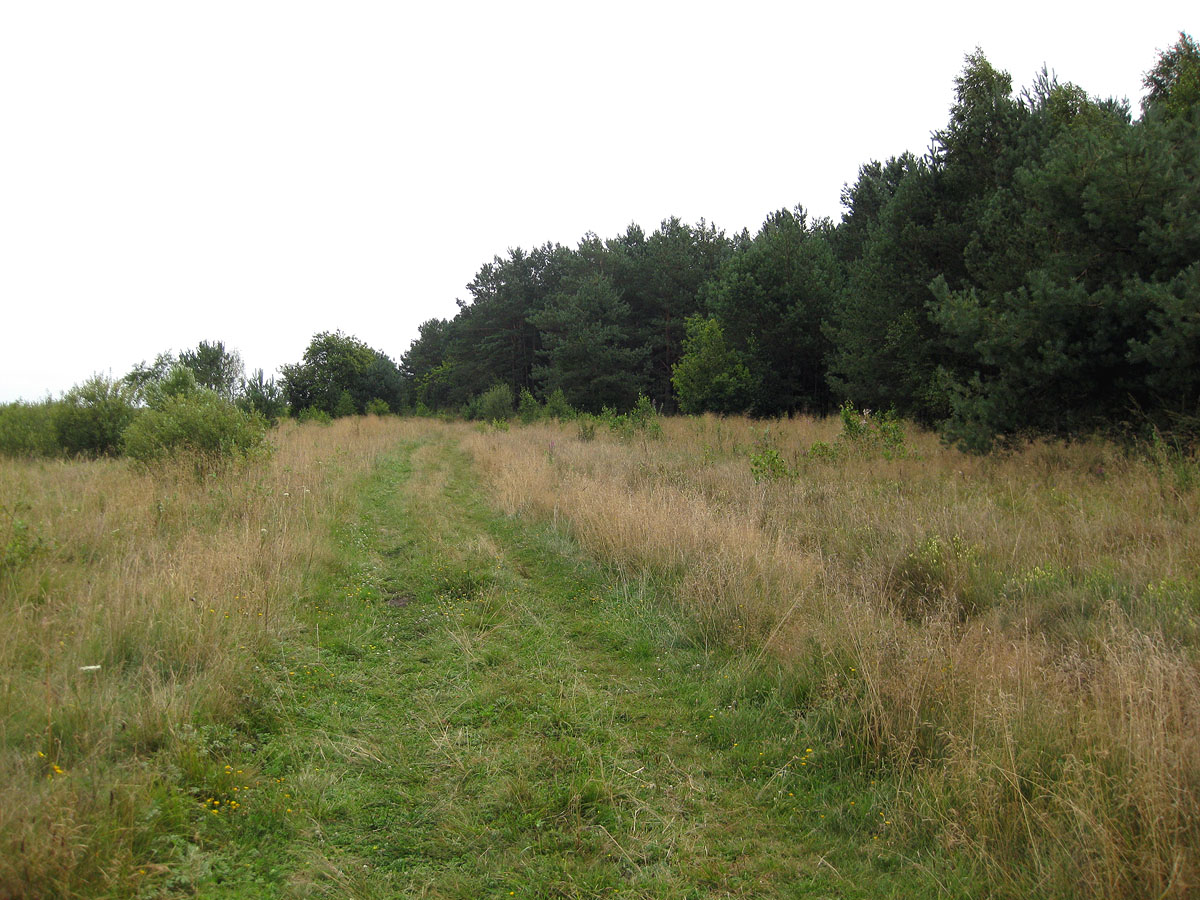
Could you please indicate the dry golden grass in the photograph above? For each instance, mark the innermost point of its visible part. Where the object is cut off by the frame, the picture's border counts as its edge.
(1017, 636)
(133, 607)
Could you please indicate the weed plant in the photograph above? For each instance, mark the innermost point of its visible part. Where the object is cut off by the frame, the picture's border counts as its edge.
(641, 422)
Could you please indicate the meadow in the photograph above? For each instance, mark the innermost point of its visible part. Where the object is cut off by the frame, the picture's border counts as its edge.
(135, 606)
(1012, 638)
(997, 653)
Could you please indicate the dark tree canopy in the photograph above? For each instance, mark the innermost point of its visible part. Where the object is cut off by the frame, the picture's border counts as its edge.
(1035, 272)
(341, 375)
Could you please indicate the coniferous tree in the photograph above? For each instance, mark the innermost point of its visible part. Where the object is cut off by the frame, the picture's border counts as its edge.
(711, 376)
(587, 353)
(676, 262)
(886, 350)
(1034, 272)
(771, 298)
(1076, 336)
(215, 367)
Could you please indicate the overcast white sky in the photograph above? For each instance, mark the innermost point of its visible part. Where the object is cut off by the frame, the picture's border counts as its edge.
(256, 172)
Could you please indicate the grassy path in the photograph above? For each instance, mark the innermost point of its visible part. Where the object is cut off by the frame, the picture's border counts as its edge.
(476, 710)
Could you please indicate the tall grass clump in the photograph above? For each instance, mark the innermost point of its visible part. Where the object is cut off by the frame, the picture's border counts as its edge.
(135, 605)
(1014, 639)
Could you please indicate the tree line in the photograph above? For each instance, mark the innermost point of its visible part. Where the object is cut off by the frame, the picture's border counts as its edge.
(199, 403)
(1037, 271)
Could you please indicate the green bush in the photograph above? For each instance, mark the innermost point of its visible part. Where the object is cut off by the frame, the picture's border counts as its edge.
(313, 414)
(641, 421)
(557, 406)
(261, 394)
(711, 375)
(19, 541)
(344, 406)
(824, 452)
(180, 381)
(201, 424)
(868, 431)
(494, 403)
(767, 464)
(643, 415)
(528, 409)
(91, 417)
(377, 407)
(27, 429)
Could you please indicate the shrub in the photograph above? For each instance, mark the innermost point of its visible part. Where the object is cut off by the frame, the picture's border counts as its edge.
(344, 406)
(180, 381)
(202, 424)
(768, 465)
(528, 409)
(378, 407)
(494, 403)
(641, 421)
(824, 452)
(313, 414)
(867, 431)
(766, 462)
(557, 406)
(711, 376)
(262, 395)
(27, 429)
(644, 416)
(92, 416)
(19, 541)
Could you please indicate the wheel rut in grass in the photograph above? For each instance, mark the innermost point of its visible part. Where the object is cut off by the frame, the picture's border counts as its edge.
(481, 711)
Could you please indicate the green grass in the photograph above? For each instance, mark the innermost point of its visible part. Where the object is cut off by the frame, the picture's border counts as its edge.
(472, 709)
